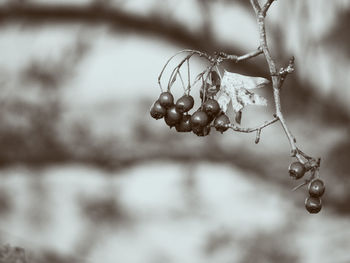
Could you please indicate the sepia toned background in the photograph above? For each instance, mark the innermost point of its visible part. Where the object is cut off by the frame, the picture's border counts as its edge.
(88, 176)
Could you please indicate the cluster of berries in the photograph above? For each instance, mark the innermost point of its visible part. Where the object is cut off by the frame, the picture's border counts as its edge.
(313, 203)
(177, 114)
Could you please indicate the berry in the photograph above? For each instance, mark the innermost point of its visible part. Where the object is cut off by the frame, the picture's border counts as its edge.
(166, 99)
(201, 131)
(316, 188)
(221, 123)
(297, 170)
(185, 103)
(211, 107)
(185, 124)
(157, 111)
(199, 119)
(313, 204)
(172, 116)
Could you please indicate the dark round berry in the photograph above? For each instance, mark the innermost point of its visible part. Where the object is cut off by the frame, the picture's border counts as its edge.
(221, 123)
(185, 103)
(313, 204)
(199, 119)
(316, 188)
(166, 99)
(297, 170)
(211, 107)
(157, 111)
(172, 116)
(201, 131)
(185, 124)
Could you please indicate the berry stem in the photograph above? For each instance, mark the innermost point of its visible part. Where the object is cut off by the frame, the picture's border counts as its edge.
(177, 69)
(182, 81)
(191, 51)
(188, 77)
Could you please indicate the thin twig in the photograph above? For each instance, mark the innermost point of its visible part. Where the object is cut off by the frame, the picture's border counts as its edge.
(277, 80)
(256, 6)
(189, 75)
(176, 70)
(192, 52)
(257, 138)
(266, 7)
(182, 81)
(274, 76)
(223, 56)
(248, 130)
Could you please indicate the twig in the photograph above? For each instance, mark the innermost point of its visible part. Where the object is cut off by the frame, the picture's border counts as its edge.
(257, 138)
(248, 130)
(192, 52)
(266, 7)
(236, 58)
(256, 6)
(189, 75)
(274, 76)
(277, 80)
(182, 81)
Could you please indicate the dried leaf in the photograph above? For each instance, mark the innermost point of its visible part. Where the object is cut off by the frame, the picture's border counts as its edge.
(235, 88)
(247, 82)
(210, 90)
(223, 100)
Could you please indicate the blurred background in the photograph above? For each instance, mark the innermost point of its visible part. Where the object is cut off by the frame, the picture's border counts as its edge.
(88, 176)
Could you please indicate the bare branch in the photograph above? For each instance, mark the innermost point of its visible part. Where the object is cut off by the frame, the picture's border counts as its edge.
(248, 130)
(236, 58)
(266, 7)
(277, 81)
(255, 5)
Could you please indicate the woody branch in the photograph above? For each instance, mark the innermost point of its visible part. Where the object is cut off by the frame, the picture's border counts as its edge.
(277, 78)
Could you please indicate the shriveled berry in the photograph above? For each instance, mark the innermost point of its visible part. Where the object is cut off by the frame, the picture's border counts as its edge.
(166, 99)
(172, 116)
(313, 204)
(185, 103)
(316, 188)
(157, 111)
(297, 170)
(201, 131)
(221, 123)
(215, 78)
(199, 119)
(211, 107)
(185, 124)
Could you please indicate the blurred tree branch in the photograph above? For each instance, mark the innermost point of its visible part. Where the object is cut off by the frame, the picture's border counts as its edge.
(33, 14)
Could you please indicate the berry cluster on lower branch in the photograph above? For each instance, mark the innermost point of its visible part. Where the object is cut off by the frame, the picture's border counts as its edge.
(316, 187)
